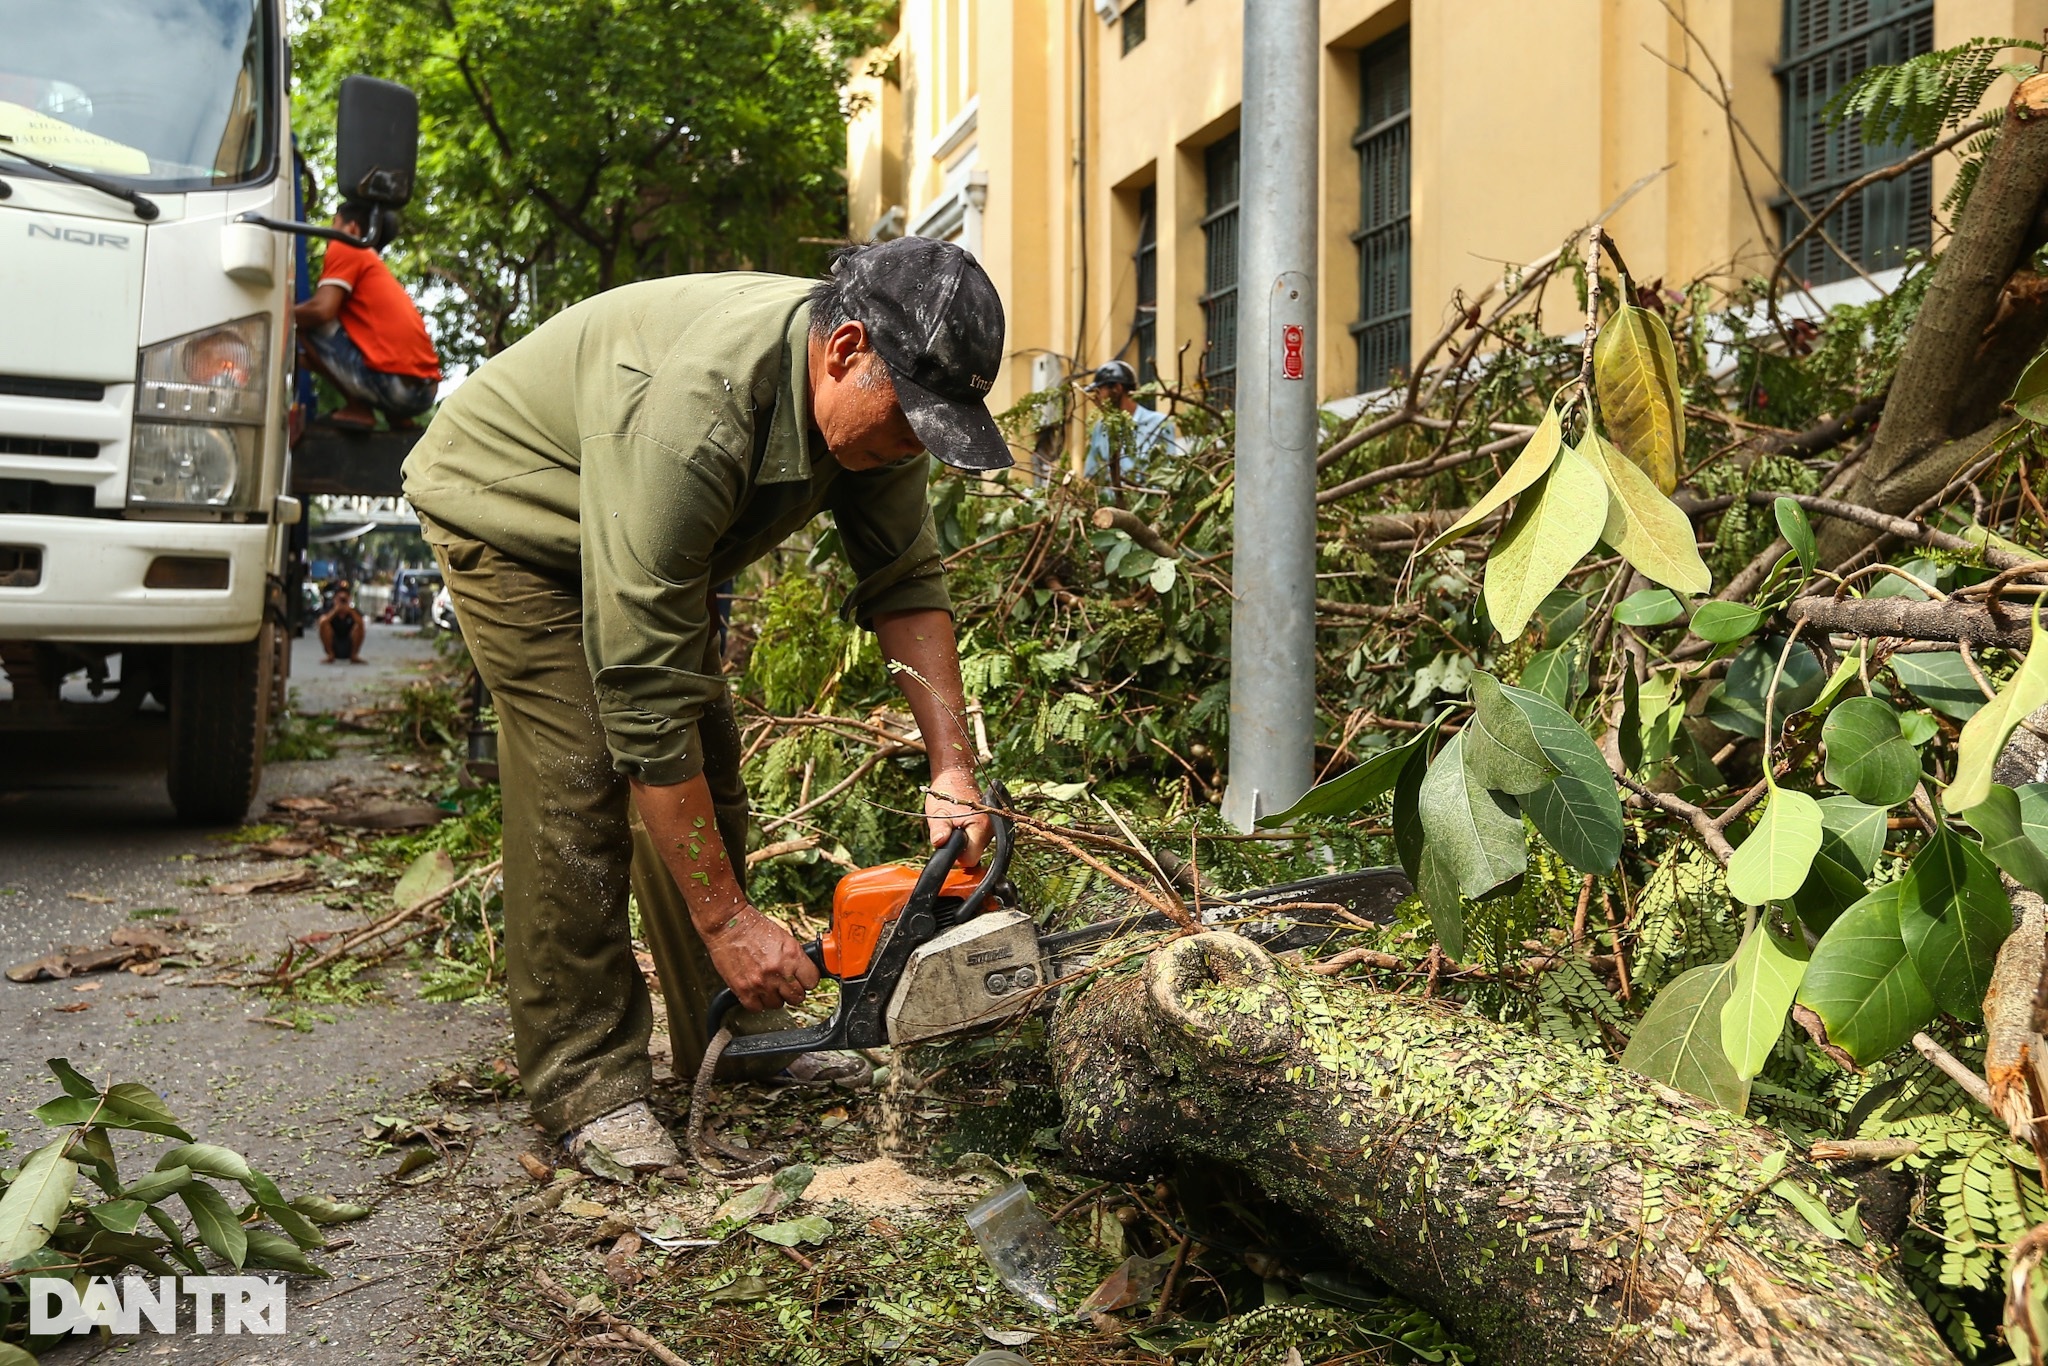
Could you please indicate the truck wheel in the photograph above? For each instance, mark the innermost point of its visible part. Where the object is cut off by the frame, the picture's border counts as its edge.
(220, 719)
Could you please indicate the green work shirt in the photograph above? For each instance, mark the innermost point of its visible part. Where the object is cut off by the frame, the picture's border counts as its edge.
(655, 440)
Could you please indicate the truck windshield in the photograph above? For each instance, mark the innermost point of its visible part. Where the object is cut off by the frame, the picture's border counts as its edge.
(155, 94)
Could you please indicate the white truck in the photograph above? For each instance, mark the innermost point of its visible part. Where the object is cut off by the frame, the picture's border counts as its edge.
(148, 187)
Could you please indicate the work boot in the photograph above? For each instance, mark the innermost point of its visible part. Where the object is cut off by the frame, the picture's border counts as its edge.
(633, 1137)
(847, 1071)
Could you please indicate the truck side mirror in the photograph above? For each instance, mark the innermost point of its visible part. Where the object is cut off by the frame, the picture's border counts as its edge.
(376, 141)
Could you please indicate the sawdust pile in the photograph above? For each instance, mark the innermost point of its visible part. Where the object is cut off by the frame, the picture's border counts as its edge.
(882, 1184)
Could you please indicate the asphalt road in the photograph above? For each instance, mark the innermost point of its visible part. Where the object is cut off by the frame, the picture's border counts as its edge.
(87, 840)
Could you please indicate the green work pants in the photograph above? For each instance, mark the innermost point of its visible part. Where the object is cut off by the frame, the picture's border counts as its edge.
(581, 1014)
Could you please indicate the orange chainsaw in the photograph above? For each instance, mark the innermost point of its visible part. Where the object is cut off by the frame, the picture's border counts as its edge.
(924, 953)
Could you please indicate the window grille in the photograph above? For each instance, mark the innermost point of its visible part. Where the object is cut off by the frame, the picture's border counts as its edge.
(1384, 257)
(1219, 297)
(1145, 323)
(1828, 43)
(1133, 24)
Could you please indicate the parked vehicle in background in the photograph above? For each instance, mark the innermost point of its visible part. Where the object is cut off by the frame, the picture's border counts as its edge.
(146, 512)
(412, 596)
(442, 618)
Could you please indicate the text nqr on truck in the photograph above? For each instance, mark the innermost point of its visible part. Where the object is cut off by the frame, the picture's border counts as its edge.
(148, 518)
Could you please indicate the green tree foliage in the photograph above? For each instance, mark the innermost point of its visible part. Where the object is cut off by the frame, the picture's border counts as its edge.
(568, 146)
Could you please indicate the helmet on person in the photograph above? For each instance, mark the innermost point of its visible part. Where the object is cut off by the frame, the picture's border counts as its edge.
(1114, 372)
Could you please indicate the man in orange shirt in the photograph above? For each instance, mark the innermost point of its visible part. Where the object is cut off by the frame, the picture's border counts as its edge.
(361, 330)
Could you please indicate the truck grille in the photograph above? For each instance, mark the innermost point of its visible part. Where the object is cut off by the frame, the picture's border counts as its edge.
(21, 566)
(37, 497)
(35, 386)
(47, 445)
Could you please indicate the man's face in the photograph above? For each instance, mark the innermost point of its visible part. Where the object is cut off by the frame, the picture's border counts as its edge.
(1109, 397)
(853, 403)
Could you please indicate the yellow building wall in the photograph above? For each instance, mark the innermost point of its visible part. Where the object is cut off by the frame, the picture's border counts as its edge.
(1529, 118)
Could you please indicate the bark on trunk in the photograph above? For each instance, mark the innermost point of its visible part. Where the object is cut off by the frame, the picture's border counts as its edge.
(1548, 1207)
(1918, 433)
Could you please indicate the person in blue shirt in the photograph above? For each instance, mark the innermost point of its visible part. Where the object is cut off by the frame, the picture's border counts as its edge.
(1145, 436)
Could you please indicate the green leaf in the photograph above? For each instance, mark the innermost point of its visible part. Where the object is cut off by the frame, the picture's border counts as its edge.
(1862, 983)
(1556, 522)
(1408, 835)
(1767, 974)
(132, 1100)
(1561, 615)
(1646, 528)
(69, 1110)
(1476, 831)
(1772, 863)
(1578, 811)
(1678, 1041)
(207, 1159)
(429, 874)
(1738, 703)
(1651, 607)
(157, 1185)
(1848, 671)
(10, 1355)
(1438, 888)
(1941, 680)
(1359, 787)
(1985, 734)
(1869, 757)
(215, 1222)
(1532, 464)
(119, 1216)
(811, 1228)
(1809, 1207)
(35, 1200)
(1635, 375)
(1725, 622)
(274, 1252)
(1558, 674)
(1953, 915)
(1797, 531)
(1919, 728)
(1851, 838)
(2030, 395)
(69, 1078)
(1502, 751)
(322, 1210)
(1999, 819)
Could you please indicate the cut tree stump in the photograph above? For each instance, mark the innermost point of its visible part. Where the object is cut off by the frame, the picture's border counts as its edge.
(1546, 1206)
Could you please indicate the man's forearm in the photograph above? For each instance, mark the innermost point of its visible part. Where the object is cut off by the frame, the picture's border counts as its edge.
(919, 645)
(683, 823)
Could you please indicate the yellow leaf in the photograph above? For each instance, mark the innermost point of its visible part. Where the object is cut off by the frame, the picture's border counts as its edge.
(1635, 374)
(1984, 735)
(1554, 525)
(1532, 464)
(1644, 527)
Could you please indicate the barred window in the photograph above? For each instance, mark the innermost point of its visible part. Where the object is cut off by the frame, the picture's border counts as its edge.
(1145, 322)
(1382, 237)
(1828, 43)
(1219, 297)
(1133, 24)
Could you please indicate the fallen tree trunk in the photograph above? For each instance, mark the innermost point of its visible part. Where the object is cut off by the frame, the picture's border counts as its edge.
(1546, 1206)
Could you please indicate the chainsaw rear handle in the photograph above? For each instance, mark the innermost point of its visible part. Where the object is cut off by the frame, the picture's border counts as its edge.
(862, 998)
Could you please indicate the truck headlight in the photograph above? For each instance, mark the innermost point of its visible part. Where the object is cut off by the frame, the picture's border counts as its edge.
(199, 412)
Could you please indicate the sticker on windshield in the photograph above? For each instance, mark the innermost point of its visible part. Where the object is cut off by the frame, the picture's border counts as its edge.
(39, 135)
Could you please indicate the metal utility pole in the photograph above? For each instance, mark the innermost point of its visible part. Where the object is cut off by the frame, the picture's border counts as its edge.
(1273, 623)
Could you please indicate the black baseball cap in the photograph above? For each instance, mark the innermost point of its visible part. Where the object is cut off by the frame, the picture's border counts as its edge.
(1114, 372)
(933, 316)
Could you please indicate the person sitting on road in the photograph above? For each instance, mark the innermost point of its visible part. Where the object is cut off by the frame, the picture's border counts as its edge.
(341, 630)
(362, 331)
(1150, 433)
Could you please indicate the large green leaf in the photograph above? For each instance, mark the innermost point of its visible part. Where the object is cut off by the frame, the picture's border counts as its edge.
(1559, 674)
(1797, 531)
(1556, 522)
(2030, 395)
(1738, 703)
(1360, 786)
(1723, 623)
(35, 1200)
(1851, 838)
(1862, 983)
(1578, 811)
(1868, 756)
(1635, 375)
(1985, 734)
(1941, 680)
(207, 1159)
(1646, 528)
(151, 1187)
(1408, 833)
(1773, 862)
(69, 1077)
(1532, 464)
(2002, 823)
(118, 1216)
(1650, 607)
(1678, 1041)
(1500, 748)
(1767, 974)
(431, 873)
(1438, 888)
(214, 1220)
(274, 1252)
(1475, 831)
(1953, 915)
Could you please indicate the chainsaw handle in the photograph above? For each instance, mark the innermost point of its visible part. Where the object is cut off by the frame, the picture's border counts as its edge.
(725, 1002)
(999, 856)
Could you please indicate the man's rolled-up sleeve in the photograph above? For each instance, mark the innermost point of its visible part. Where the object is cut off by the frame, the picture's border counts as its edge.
(885, 526)
(651, 513)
